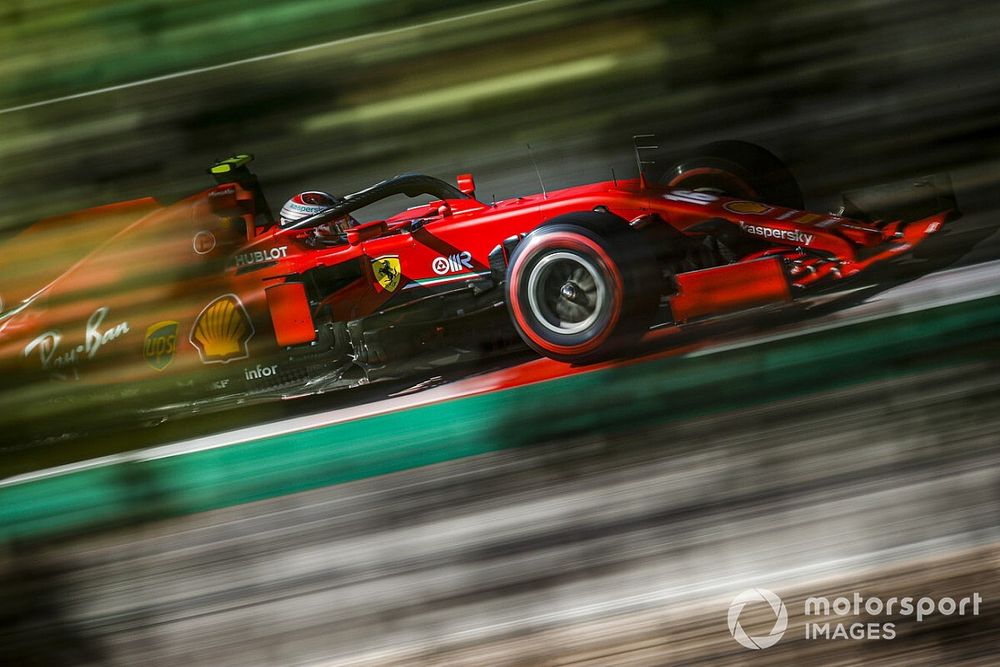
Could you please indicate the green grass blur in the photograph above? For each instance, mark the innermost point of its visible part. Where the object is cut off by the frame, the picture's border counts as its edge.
(52, 48)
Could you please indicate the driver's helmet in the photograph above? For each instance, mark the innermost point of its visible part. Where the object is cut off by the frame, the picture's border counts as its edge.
(304, 205)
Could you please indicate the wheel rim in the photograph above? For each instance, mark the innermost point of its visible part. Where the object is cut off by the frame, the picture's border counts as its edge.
(566, 292)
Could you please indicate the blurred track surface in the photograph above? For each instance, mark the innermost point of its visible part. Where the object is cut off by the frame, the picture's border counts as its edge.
(409, 567)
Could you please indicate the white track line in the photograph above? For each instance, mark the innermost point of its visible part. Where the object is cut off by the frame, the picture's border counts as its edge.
(281, 54)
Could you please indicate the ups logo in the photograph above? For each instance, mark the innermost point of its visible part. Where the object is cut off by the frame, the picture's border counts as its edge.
(161, 344)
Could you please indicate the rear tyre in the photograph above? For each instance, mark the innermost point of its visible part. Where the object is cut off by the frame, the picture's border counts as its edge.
(582, 287)
(738, 169)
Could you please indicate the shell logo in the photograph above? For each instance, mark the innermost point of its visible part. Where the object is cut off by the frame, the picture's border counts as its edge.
(748, 207)
(222, 331)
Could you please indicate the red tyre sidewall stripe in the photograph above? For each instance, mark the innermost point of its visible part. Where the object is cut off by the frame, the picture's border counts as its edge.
(588, 247)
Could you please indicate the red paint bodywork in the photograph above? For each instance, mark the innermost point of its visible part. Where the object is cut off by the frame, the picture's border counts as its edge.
(731, 287)
(290, 314)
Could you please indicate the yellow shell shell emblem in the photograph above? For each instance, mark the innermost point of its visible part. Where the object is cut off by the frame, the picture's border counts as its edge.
(748, 207)
(387, 272)
(222, 331)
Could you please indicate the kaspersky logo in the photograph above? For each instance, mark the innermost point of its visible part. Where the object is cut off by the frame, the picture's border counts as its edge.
(750, 596)
(792, 235)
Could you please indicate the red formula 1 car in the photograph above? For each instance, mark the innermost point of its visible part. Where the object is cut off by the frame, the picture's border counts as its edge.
(210, 300)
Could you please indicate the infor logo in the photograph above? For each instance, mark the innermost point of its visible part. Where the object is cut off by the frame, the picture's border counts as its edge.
(780, 618)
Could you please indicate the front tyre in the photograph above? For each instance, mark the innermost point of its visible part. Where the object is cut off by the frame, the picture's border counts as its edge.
(738, 169)
(581, 288)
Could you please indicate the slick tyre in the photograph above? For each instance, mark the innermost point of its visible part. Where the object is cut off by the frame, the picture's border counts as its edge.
(738, 169)
(582, 287)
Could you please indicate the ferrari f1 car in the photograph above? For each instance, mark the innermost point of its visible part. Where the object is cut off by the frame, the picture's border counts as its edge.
(209, 299)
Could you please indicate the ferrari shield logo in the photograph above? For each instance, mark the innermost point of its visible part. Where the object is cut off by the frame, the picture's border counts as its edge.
(387, 272)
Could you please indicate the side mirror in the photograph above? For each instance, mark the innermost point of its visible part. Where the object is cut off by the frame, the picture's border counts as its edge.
(467, 184)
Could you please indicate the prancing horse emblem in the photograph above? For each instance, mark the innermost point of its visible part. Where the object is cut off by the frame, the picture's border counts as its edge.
(387, 272)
